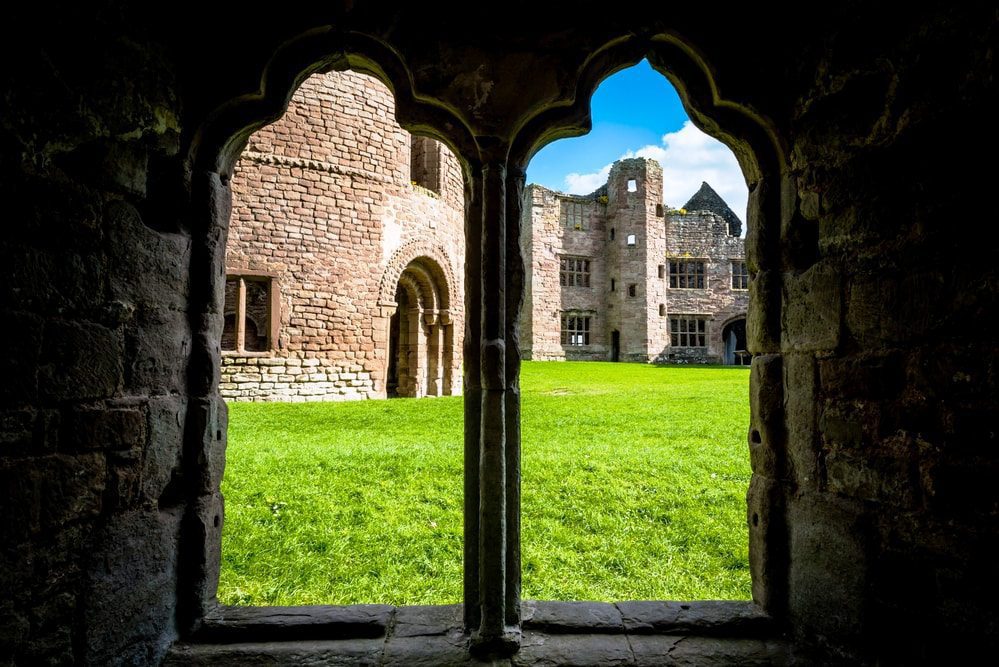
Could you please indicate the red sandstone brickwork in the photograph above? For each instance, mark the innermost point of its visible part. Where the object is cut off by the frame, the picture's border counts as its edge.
(323, 202)
(610, 216)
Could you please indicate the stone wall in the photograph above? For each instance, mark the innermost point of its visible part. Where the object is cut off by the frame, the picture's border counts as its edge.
(612, 215)
(704, 235)
(323, 200)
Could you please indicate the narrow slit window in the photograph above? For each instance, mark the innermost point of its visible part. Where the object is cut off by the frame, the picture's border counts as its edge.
(249, 314)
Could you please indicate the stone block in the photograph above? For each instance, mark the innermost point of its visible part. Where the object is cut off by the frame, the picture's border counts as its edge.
(107, 428)
(571, 617)
(578, 650)
(130, 589)
(811, 313)
(80, 360)
(800, 419)
(21, 341)
(71, 487)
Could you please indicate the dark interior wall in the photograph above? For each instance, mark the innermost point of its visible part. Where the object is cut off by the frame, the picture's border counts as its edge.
(874, 398)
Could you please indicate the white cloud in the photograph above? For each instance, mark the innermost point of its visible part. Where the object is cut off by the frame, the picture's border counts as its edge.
(688, 156)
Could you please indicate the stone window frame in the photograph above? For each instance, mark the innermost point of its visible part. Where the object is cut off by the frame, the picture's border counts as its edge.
(425, 163)
(491, 615)
(679, 274)
(582, 325)
(742, 277)
(680, 332)
(274, 319)
(574, 271)
(572, 215)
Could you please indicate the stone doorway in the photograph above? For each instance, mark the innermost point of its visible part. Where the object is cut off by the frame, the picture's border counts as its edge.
(734, 340)
(615, 345)
(421, 336)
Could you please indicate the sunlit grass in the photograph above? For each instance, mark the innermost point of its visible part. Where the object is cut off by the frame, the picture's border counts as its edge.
(634, 483)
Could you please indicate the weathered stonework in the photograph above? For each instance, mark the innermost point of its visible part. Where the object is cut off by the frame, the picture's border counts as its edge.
(873, 510)
(628, 238)
(327, 205)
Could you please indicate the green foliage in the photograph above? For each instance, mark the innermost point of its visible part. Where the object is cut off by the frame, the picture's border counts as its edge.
(634, 484)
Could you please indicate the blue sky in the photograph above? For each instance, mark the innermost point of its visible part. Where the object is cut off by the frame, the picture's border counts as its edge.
(636, 112)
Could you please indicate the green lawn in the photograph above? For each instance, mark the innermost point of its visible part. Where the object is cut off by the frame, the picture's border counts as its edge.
(634, 485)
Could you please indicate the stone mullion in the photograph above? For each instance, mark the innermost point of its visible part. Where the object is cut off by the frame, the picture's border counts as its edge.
(514, 299)
(493, 634)
(433, 354)
(472, 395)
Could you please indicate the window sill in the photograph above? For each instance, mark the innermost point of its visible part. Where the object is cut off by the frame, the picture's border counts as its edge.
(633, 633)
(234, 353)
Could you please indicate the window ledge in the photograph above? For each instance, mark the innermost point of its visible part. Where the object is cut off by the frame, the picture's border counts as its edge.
(627, 633)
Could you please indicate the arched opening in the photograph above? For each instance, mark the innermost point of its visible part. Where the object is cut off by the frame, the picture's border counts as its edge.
(492, 430)
(421, 355)
(734, 341)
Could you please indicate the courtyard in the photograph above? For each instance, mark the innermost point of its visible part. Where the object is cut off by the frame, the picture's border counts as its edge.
(634, 487)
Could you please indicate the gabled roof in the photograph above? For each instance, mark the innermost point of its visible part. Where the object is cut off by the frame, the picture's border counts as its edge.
(706, 199)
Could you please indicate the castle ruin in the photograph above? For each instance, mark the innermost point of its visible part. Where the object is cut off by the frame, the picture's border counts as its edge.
(617, 276)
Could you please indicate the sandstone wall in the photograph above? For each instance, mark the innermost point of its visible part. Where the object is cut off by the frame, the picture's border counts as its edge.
(704, 235)
(323, 202)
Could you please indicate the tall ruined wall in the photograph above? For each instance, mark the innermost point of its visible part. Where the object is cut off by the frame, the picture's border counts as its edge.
(323, 202)
(546, 239)
(704, 235)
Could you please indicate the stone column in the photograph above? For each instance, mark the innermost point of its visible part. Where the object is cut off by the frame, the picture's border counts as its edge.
(497, 631)
(433, 357)
(447, 353)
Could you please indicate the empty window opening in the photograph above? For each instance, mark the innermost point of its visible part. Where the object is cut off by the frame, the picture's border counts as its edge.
(597, 515)
(574, 272)
(686, 274)
(329, 500)
(251, 307)
(740, 275)
(425, 163)
(574, 216)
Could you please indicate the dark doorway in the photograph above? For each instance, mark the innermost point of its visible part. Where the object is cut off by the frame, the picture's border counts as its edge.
(734, 340)
(615, 345)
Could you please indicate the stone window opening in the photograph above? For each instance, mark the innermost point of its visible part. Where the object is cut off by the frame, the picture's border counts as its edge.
(686, 274)
(574, 272)
(480, 605)
(633, 289)
(575, 329)
(632, 185)
(573, 216)
(662, 310)
(425, 163)
(662, 271)
(632, 240)
(612, 234)
(251, 314)
(688, 331)
(660, 213)
(740, 275)
(613, 286)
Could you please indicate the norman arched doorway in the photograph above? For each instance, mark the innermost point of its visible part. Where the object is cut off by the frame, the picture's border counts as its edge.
(421, 335)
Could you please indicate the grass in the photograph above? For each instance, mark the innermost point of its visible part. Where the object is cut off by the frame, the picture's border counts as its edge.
(634, 484)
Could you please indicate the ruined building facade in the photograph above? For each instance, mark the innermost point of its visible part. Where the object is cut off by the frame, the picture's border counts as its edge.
(617, 276)
(345, 255)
